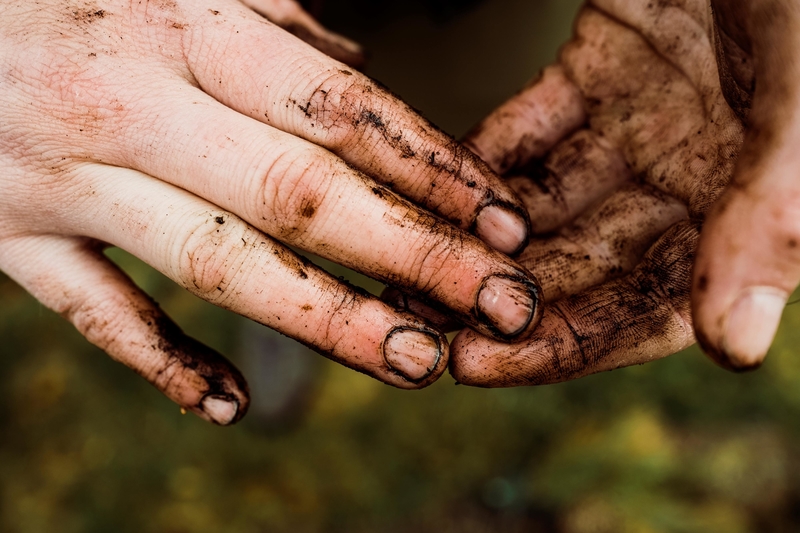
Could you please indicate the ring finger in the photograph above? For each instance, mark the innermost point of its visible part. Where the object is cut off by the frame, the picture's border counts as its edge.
(217, 256)
(305, 196)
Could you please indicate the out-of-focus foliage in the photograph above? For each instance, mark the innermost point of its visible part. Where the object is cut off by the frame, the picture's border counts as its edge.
(674, 446)
(677, 446)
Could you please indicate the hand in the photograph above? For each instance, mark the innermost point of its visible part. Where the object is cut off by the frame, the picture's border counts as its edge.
(657, 119)
(204, 140)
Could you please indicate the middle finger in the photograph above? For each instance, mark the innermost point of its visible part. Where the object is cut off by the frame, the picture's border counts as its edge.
(303, 195)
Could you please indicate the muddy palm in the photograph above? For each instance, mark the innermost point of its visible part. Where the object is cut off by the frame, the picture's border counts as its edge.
(660, 119)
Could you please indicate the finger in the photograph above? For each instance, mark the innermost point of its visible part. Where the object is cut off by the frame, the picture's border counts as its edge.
(73, 278)
(530, 123)
(577, 173)
(629, 321)
(227, 262)
(437, 316)
(315, 98)
(291, 17)
(304, 196)
(605, 243)
(749, 257)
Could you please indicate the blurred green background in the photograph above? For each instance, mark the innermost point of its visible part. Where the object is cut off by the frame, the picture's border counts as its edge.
(674, 446)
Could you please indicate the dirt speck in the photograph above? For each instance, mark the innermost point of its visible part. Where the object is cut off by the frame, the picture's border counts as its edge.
(88, 15)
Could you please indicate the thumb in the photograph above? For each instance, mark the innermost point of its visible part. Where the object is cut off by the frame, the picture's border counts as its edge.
(748, 260)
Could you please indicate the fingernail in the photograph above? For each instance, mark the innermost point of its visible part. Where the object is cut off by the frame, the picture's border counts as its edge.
(220, 409)
(751, 325)
(502, 229)
(507, 304)
(412, 353)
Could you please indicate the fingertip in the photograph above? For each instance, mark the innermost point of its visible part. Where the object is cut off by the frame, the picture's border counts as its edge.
(504, 228)
(509, 307)
(220, 410)
(111, 312)
(478, 361)
(204, 382)
(748, 328)
(290, 16)
(463, 362)
(747, 264)
(415, 356)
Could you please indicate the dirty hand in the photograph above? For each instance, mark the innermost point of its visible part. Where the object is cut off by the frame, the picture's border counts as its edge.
(659, 118)
(204, 139)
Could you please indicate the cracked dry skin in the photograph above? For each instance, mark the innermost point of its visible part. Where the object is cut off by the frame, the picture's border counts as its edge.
(619, 150)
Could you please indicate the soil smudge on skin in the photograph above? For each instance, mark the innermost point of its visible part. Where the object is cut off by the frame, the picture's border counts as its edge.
(607, 323)
(222, 378)
(361, 106)
(308, 211)
(88, 15)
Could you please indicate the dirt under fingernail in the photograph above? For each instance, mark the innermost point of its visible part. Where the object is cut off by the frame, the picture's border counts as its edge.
(221, 410)
(506, 304)
(412, 353)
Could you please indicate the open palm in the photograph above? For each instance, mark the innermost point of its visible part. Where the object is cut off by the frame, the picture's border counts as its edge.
(621, 151)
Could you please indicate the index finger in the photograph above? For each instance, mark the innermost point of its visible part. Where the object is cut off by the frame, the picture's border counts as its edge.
(632, 320)
(255, 68)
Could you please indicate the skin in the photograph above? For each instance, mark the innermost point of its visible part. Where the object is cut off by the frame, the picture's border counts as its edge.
(204, 139)
(658, 160)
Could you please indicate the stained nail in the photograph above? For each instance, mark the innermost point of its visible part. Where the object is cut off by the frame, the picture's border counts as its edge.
(220, 409)
(751, 325)
(502, 229)
(507, 304)
(412, 353)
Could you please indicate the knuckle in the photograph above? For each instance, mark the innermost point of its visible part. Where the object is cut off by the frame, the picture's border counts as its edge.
(101, 321)
(292, 190)
(344, 305)
(212, 255)
(342, 105)
(73, 93)
(431, 264)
